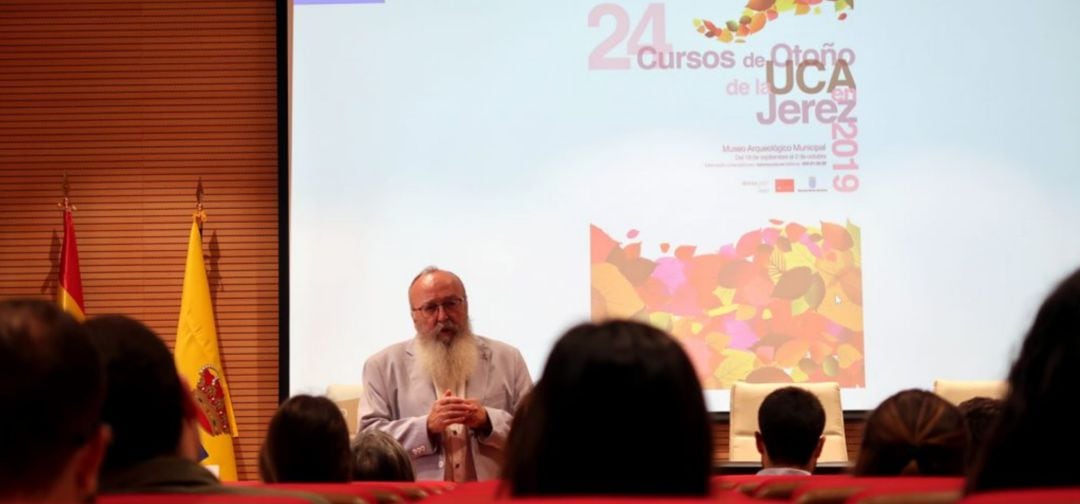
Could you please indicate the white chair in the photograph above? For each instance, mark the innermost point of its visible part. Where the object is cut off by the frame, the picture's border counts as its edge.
(746, 399)
(347, 397)
(958, 391)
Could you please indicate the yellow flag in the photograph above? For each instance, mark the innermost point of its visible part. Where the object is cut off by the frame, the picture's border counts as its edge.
(199, 362)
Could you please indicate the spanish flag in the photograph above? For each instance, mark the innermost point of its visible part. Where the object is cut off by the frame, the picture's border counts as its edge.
(199, 361)
(69, 294)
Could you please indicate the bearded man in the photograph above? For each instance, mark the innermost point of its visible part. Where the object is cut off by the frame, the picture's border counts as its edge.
(447, 395)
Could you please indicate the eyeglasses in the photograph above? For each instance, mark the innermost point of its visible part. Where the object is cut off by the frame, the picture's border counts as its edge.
(431, 308)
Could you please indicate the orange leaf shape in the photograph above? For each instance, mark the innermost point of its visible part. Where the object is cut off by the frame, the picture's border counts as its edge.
(789, 354)
(768, 374)
(794, 232)
(794, 283)
(757, 23)
(836, 237)
(638, 270)
(685, 252)
(748, 243)
(848, 355)
(851, 283)
(760, 5)
(600, 244)
(633, 251)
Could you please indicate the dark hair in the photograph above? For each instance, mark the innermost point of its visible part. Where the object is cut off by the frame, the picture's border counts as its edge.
(1038, 422)
(307, 441)
(981, 414)
(377, 456)
(913, 432)
(144, 401)
(51, 390)
(618, 410)
(791, 422)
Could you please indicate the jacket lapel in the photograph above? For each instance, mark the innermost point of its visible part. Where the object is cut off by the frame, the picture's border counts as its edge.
(479, 379)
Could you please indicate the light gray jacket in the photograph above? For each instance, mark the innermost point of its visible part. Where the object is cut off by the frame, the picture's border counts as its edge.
(398, 395)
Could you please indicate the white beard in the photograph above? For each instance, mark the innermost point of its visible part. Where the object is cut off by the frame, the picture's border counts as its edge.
(449, 364)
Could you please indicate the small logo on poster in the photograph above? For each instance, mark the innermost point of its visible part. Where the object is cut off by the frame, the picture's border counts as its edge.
(785, 185)
(812, 186)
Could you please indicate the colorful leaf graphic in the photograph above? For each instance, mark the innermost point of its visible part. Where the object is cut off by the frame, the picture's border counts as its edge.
(781, 303)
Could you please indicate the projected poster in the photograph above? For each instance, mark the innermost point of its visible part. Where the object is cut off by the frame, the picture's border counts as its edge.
(871, 193)
(780, 301)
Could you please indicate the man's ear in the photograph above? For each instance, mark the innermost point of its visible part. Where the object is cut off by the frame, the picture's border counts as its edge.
(760, 442)
(187, 401)
(188, 444)
(88, 460)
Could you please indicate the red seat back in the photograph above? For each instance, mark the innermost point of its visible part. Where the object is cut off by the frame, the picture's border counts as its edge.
(198, 499)
(847, 489)
(1034, 496)
(370, 491)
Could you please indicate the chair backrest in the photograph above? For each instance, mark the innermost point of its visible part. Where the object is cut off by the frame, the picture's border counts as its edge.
(958, 391)
(746, 399)
(347, 397)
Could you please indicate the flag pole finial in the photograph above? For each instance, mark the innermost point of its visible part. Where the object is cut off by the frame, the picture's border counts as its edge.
(65, 188)
(200, 213)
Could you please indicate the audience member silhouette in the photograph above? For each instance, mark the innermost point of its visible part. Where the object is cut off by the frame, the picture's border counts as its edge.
(155, 441)
(913, 433)
(790, 422)
(1036, 441)
(981, 414)
(51, 390)
(307, 441)
(618, 410)
(153, 417)
(377, 456)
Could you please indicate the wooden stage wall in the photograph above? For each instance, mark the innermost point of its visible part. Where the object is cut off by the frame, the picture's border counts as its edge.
(136, 101)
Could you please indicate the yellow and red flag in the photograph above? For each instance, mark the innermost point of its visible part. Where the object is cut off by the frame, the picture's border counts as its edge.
(69, 292)
(199, 362)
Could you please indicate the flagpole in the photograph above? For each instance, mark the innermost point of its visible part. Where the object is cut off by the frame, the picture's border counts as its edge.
(198, 356)
(200, 213)
(65, 189)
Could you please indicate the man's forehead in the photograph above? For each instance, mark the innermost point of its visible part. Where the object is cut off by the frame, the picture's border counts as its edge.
(436, 283)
